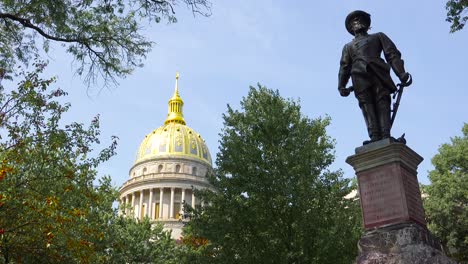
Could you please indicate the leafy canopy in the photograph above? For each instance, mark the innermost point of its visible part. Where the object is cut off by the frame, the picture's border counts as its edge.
(135, 241)
(457, 14)
(276, 201)
(52, 206)
(103, 36)
(446, 203)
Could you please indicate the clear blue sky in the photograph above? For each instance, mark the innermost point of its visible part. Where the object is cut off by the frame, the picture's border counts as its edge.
(292, 46)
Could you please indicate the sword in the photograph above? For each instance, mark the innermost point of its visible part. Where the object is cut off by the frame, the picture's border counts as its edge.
(398, 95)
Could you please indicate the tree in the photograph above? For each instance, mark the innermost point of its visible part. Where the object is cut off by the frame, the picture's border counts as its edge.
(276, 201)
(52, 207)
(133, 241)
(456, 14)
(446, 202)
(103, 36)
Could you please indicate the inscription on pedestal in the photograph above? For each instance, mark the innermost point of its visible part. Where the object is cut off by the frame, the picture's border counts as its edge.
(381, 196)
(413, 197)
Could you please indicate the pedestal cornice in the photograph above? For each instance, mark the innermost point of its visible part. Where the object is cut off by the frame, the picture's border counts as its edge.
(368, 157)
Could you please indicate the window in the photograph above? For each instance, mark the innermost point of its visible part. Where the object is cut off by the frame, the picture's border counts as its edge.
(177, 168)
(143, 211)
(194, 171)
(177, 211)
(144, 170)
(156, 210)
(160, 167)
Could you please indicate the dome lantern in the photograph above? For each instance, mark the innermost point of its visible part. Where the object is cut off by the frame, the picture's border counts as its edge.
(175, 106)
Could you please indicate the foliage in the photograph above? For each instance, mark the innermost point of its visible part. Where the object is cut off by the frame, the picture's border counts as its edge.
(141, 242)
(276, 201)
(192, 247)
(103, 36)
(456, 14)
(51, 210)
(446, 202)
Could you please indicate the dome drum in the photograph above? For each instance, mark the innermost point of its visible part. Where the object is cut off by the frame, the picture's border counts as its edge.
(170, 164)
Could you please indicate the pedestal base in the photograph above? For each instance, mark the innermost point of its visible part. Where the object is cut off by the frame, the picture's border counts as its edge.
(400, 244)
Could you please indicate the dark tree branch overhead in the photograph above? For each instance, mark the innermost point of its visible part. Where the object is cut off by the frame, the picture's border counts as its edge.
(28, 24)
(103, 36)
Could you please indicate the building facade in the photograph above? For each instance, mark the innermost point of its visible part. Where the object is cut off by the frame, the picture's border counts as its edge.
(172, 161)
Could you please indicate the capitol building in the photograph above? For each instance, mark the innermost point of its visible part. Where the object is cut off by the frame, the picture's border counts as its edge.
(171, 162)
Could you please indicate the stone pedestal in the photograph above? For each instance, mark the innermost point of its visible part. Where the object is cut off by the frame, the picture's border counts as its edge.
(388, 185)
(391, 204)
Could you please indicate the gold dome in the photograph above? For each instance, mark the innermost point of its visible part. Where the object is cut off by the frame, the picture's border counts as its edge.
(174, 138)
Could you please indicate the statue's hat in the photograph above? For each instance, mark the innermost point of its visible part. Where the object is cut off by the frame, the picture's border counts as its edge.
(352, 15)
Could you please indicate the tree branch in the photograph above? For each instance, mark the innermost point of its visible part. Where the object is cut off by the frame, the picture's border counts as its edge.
(28, 24)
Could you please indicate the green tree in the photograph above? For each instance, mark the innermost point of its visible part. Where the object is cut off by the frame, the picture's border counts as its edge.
(276, 199)
(446, 202)
(456, 14)
(53, 209)
(103, 36)
(134, 241)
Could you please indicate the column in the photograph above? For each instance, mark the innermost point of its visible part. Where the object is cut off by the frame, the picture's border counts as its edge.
(149, 208)
(140, 207)
(133, 204)
(182, 200)
(171, 208)
(161, 193)
(202, 203)
(121, 206)
(193, 198)
(127, 204)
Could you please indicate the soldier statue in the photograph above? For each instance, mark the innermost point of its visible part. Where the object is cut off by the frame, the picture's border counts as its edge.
(370, 74)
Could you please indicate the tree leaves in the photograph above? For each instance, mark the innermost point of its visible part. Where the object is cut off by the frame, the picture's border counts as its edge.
(456, 14)
(275, 199)
(446, 202)
(51, 210)
(104, 37)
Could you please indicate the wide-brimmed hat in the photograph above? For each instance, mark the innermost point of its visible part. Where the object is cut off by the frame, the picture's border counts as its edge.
(352, 15)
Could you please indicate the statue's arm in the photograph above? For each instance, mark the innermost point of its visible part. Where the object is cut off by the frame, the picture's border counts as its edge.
(345, 68)
(393, 57)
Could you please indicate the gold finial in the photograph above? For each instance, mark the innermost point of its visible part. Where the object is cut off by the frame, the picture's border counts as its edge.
(177, 81)
(175, 106)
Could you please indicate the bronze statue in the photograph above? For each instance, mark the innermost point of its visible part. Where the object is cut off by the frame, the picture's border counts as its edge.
(370, 74)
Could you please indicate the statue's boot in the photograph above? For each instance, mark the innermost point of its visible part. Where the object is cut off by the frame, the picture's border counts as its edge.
(369, 113)
(383, 112)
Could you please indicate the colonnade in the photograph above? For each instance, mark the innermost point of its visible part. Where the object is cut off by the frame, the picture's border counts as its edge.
(167, 206)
